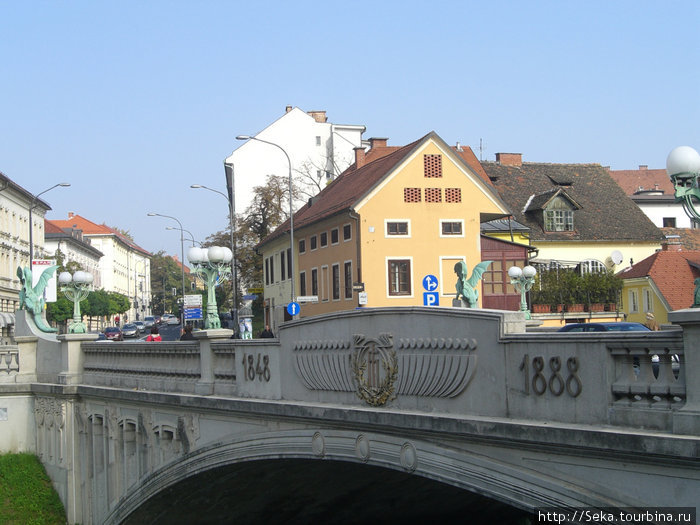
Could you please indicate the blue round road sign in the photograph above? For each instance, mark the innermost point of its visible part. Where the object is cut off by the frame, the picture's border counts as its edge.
(293, 308)
(430, 283)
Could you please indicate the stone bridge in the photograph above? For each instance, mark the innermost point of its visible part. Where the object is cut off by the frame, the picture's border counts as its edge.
(376, 414)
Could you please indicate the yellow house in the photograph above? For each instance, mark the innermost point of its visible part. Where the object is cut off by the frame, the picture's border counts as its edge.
(661, 283)
(386, 232)
(578, 218)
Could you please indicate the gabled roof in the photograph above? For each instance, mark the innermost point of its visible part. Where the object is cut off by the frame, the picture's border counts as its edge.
(632, 181)
(673, 273)
(605, 213)
(540, 202)
(351, 186)
(90, 228)
(53, 232)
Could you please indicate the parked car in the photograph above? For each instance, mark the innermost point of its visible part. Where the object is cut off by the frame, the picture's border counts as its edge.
(149, 321)
(604, 327)
(113, 333)
(173, 320)
(130, 330)
(141, 325)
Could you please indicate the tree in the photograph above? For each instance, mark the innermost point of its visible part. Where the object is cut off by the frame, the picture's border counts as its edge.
(166, 275)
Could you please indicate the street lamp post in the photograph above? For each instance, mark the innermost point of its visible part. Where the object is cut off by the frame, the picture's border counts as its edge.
(291, 213)
(522, 280)
(232, 224)
(213, 267)
(182, 262)
(186, 231)
(76, 287)
(31, 209)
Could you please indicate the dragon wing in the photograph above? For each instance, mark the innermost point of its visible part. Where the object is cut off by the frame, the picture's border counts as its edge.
(478, 271)
(44, 279)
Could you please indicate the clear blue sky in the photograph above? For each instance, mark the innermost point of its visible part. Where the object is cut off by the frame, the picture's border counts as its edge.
(131, 102)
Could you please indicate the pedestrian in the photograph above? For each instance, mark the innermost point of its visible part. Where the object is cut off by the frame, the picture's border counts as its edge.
(154, 335)
(651, 323)
(187, 333)
(267, 333)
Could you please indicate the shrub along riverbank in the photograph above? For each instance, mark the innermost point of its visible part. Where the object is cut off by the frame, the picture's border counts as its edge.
(26, 494)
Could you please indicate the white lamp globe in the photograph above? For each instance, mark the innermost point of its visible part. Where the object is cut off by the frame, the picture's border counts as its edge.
(216, 254)
(683, 159)
(90, 277)
(80, 277)
(65, 278)
(514, 272)
(228, 254)
(529, 272)
(194, 255)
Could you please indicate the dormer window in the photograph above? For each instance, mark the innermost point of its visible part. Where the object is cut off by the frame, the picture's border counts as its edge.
(557, 209)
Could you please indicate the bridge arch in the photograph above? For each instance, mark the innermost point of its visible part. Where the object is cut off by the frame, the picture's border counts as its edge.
(425, 466)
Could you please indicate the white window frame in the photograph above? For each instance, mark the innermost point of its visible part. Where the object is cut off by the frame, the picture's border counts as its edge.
(450, 236)
(633, 301)
(386, 229)
(648, 299)
(386, 275)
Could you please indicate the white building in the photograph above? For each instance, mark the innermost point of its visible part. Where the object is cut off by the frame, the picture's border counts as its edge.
(317, 149)
(125, 267)
(653, 192)
(15, 202)
(74, 247)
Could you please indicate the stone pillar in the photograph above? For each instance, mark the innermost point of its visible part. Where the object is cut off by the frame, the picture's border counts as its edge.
(686, 420)
(27, 345)
(72, 357)
(205, 385)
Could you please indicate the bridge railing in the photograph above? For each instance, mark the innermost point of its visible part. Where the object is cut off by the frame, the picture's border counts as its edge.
(475, 363)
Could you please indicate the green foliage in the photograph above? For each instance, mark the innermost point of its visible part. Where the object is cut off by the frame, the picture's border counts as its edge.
(26, 492)
(59, 311)
(567, 286)
(165, 275)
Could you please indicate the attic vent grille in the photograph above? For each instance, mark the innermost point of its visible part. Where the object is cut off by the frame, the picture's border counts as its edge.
(411, 194)
(432, 165)
(433, 195)
(453, 194)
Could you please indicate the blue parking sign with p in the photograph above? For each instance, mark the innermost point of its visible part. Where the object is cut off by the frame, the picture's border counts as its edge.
(431, 299)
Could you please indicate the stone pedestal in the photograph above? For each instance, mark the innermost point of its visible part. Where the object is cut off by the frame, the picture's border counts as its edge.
(72, 357)
(686, 420)
(205, 386)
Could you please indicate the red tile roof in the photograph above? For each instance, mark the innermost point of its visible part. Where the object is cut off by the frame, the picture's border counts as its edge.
(90, 228)
(50, 227)
(673, 272)
(355, 183)
(632, 180)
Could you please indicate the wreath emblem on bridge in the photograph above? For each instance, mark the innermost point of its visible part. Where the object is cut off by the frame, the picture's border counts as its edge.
(375, 367)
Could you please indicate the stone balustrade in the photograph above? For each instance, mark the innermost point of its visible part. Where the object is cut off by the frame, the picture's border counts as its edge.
(9, 362)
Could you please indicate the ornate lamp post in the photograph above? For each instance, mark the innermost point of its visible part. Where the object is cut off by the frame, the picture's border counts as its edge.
(76, 287)
(213, 266)
(522, 280)
(683, 168)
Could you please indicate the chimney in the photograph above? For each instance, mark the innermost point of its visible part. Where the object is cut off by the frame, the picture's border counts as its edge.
(509, 159)
(287, 109)
(319, 116)
(375, 142)
(359, 157)
(672, 244)
(643, 167)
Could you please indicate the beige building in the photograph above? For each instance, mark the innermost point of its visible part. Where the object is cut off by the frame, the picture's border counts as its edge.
(125, 267)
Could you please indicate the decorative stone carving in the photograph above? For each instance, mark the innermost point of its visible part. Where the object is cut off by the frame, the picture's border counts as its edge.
(428, 367)
(362, 448)
(408, 456)
(375, 367)
(318, 445)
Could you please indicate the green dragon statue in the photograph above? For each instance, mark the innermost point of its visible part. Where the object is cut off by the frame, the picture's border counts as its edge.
(466, 287)
(32, 299)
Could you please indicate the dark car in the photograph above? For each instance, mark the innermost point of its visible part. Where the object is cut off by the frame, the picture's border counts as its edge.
(604, 327)
(113, 333)
(130, 330)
